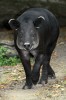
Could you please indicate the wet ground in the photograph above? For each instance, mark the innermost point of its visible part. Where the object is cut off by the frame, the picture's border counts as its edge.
(13, 78)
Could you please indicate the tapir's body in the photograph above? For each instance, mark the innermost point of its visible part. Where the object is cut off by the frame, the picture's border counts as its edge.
(36, 33)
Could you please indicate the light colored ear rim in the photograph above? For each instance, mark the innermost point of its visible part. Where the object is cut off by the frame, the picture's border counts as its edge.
(10, 20)
(42, 17)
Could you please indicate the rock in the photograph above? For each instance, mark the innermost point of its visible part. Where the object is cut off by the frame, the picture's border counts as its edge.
(10, 9)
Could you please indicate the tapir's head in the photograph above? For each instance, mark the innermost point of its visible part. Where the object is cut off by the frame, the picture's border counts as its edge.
(27, 34)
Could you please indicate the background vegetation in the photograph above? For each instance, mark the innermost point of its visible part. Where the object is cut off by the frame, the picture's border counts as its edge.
(5, 60)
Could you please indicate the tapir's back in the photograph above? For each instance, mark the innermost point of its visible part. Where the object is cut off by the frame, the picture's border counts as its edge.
(34, 13)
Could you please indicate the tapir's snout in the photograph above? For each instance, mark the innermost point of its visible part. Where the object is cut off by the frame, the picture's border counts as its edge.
(27, 45)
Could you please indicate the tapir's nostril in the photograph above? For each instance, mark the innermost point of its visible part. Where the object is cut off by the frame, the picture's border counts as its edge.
(27, 45)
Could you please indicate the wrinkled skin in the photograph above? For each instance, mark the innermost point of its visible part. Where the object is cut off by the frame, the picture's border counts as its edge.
(36, 34)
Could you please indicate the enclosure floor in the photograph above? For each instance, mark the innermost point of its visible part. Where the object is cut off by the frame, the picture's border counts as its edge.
(54, 90)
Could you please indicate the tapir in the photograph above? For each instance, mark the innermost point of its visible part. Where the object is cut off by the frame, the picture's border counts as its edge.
(36, 34)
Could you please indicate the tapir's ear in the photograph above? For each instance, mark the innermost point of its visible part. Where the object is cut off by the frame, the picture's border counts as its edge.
(38, 21)
(14, 24)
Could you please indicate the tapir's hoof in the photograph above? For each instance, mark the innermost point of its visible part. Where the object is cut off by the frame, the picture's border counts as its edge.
(43, 82)
(52, 76)
(35, 81)
(35, 78)
(29, 86)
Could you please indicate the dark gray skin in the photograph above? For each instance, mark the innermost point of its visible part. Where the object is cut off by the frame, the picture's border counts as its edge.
(36, 34)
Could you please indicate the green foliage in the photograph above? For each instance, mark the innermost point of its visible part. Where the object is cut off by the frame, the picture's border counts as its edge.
(4, 60)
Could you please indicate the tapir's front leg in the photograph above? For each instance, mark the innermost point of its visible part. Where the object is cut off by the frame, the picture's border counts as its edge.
(24, 56)
(36, 69)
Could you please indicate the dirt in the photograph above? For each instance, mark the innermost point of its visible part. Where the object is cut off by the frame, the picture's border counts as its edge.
(54, 90)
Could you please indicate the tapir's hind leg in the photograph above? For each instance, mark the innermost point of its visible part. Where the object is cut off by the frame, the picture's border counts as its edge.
(47, 71)
(51, 73)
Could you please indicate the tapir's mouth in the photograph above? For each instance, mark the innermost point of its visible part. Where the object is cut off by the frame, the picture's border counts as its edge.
(32, 46)
(21, 46)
